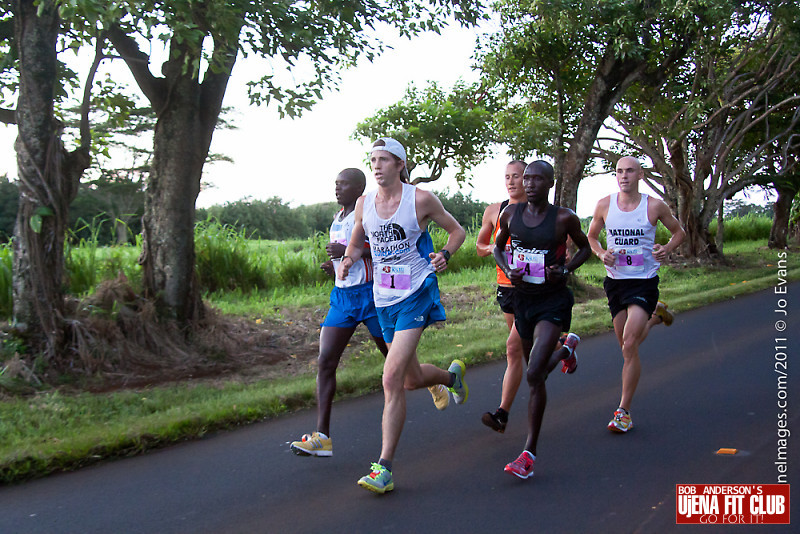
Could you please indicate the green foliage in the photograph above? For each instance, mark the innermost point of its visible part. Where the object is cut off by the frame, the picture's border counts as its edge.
(466, 210)
(438, 128)
(224, 260)
(261, 219)
(88, 263)
(317, 217)
(465, 258)
(9, 200)
(6, 270)
(750, 227)
(561, 66)
(323, 36)
(741, 208)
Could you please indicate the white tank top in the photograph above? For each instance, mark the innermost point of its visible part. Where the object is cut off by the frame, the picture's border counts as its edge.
(399, 249)
(361, 271)
(631, 236)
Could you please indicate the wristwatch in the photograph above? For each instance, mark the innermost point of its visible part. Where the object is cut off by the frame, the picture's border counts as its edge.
(564, 270)
(444, 252)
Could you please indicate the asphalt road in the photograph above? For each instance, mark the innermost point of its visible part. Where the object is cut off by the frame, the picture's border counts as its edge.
(708, 382)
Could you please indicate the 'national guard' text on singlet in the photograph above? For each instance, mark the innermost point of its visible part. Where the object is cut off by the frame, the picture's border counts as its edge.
(630, 236)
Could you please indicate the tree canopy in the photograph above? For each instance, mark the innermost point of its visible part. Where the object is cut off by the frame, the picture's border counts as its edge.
(438, 128)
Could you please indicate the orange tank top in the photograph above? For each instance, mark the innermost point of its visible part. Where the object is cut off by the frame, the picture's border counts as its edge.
(502, 279)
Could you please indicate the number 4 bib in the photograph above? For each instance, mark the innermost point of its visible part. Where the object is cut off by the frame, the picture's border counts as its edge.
(532, 265)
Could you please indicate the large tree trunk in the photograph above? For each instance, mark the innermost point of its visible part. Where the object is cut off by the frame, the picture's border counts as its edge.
(780, 223)
(613, 77)
(168, 254)
(48, 182)
(187, 115)
(699, 243)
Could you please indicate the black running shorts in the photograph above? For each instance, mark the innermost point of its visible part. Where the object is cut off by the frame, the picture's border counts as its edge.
(623, 292)
(554, 307)
(505, 298)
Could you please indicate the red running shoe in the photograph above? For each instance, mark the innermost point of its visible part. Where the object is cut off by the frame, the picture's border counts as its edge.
(522, 467)
(570, 363)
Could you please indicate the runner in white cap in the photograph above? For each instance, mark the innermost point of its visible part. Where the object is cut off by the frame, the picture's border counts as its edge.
(395, 219)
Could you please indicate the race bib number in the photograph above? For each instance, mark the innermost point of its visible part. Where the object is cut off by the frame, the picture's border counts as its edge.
(629, 260)
(532, 266)
(339, 235)
(393, 279)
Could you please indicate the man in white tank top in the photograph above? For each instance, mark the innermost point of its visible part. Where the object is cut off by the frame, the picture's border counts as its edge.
(632, 260)
(395, 217)
(351, 303)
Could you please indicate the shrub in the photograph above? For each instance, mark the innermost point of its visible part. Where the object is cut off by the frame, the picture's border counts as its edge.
(748, 227)
(6, 266)
(223, 259)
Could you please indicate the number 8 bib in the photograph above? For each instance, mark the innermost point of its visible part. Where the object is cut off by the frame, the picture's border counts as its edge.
(629, 260)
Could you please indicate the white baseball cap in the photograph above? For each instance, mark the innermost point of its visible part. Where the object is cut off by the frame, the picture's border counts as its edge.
(391, 146)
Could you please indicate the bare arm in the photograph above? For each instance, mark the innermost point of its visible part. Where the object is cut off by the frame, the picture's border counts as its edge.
(355, 248)
(597, 224)
(660, 252)
(484, 243)
(574, 230)
(500, 241)
(429, 207)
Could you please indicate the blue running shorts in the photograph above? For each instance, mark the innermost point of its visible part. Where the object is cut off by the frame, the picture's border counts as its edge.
(420, 309)
(353, 305)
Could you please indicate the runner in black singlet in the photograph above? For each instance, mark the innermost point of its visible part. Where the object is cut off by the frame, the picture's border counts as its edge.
(538, 233)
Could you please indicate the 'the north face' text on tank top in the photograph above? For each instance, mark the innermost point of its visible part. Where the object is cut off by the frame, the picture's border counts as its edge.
(361, 271)
(535, 248)
(631, 237)
(399, 247)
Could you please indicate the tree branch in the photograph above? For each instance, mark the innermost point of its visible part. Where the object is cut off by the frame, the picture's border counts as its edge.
(85, 129)
(8, 116)
(138, 62)
(216, 80)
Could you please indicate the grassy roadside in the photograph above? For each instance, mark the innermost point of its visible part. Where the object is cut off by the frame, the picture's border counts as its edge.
(55, 431)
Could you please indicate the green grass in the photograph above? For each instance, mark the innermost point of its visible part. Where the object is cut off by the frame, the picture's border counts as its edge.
(53, 431)
(226, 260)
(6, 268)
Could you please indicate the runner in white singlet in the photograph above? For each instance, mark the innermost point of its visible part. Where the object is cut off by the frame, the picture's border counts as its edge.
(406, 291)
(632, 259)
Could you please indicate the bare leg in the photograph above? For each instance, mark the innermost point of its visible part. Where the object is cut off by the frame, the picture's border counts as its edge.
(544, 356)
(403, 371)
(514, 368)
(332, 342)
(629, 326)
